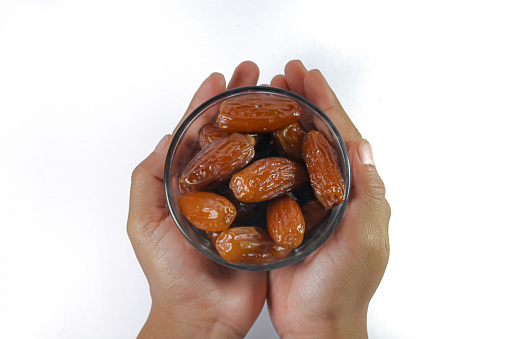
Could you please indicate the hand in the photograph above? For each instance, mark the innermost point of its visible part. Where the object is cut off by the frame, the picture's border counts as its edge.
(192, 297)
(327, 294)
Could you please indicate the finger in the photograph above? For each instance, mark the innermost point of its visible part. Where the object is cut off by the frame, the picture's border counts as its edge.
(295, 73)
(279, 81)
(215, 84)
(148, 200)
(319, 92)
(246, 74)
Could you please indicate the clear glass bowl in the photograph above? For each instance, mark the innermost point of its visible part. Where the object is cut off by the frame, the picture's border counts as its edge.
(185, 145)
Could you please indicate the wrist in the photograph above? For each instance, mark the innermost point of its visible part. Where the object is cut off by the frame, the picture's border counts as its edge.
(352, 327)
(161, 324)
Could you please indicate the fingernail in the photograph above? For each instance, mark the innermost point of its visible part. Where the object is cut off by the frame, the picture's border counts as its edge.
(365, 153)
(161, 144)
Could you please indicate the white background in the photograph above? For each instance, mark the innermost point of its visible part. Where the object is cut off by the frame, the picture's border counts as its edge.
(88, 88)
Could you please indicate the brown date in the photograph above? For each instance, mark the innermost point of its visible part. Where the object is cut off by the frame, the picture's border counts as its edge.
(255, 113)
(249, 245)
(314, 214)
(217, 161)
(207, 211)
(267, 178)
(213, 237)
(288, 141)
(323, 168)
(211, 132)
(285, 222)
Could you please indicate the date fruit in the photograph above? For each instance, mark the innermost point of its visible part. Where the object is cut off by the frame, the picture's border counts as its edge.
(249, 245)
(267, 178)
(211, 132)
(285, 222)
(323, 168)
(207, 211)
(213, 237)
(256, 114)
(218, 161)
(314, 214)
(288, 141)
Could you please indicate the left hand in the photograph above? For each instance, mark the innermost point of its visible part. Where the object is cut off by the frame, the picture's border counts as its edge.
(192, 297)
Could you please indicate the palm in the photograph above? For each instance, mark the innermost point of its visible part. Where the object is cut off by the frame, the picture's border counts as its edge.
(297, 292)
(235, 296)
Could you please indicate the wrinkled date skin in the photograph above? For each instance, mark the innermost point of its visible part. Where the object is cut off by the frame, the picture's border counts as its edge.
(211, 132)
(288, 141)
(323, 168)
(257, 114)
(218, 160)
(314, 214)
(285, 222)
(248, 245)
(207, 211)
(267, 178)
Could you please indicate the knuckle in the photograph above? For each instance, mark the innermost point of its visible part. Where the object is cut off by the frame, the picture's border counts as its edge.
(335, 109)
(375, 188)
(137, 174)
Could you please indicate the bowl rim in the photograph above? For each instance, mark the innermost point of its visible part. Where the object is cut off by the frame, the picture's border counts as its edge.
(337, 211)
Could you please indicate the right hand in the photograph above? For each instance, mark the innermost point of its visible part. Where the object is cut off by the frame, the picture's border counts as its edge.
(192, 297)
(327, 294)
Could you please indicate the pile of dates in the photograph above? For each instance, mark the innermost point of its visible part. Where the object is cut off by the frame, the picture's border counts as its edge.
(260, 183)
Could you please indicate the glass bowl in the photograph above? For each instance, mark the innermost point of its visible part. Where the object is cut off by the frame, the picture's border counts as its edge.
(185, 145)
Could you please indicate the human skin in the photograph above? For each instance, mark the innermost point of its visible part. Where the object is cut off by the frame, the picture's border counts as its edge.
(326, 295)
(192, 297)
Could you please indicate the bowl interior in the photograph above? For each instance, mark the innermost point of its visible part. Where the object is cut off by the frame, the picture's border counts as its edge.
(185, 145)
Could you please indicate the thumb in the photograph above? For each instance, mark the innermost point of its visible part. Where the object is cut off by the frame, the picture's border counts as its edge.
(367, 183)
(148, 199)
(368, 189)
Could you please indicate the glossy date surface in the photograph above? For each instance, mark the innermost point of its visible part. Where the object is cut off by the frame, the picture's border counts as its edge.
(285, 222)
(211, 132)
(288, 141)
(314, 214)
(323, 168)
(207, 211)
(217, 161)
(258, 114)
(267, 178)
(249, 245)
